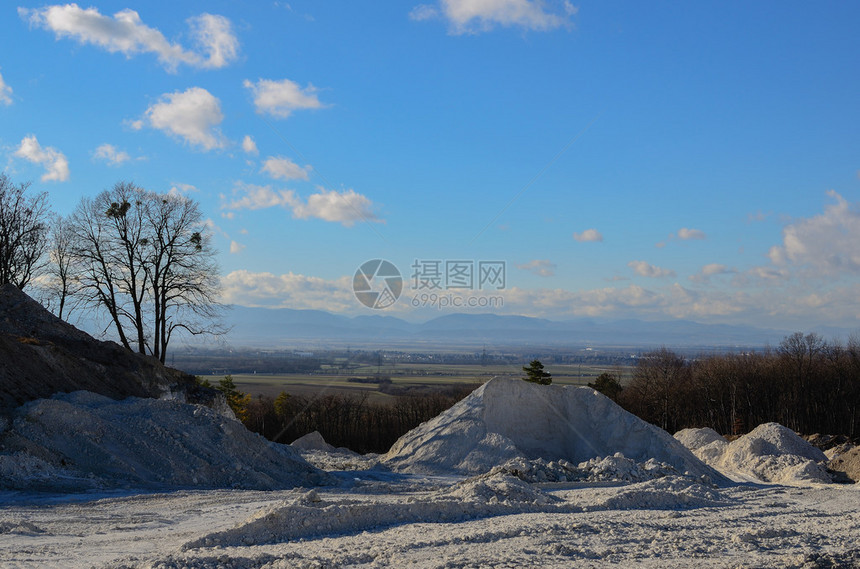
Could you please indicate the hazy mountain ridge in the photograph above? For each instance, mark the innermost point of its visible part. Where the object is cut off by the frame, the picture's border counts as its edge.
(265, 326)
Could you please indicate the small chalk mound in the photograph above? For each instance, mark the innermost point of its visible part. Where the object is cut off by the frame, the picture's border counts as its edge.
(769, 453)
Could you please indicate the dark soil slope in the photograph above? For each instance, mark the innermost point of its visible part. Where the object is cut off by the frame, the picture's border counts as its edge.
(41, 355)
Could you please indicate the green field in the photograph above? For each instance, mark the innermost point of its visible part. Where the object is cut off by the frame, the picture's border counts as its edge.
(334, 380)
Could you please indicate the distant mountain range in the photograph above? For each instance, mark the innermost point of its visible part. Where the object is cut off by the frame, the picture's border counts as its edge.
(265, 327)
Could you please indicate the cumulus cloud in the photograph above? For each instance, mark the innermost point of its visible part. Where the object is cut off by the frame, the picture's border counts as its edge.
(710, 270)
(110, 154)
(588, 235)
(249, 146)
(180, 189)
(686, 234)
(55, 163)
(540, 267)
(235, 247)
(648, 270)
(473, 16)
(126, 33)
(192, 115)
(5, 92)
(768, 273)
(288, 291)
(251, 196)
(281, 98)
(825, 244)
(345, 207)
(281, 168)
(214, 36)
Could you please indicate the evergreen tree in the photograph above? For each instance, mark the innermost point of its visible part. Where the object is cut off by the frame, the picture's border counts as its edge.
(237, 400)
(536, 374)
(607, 384)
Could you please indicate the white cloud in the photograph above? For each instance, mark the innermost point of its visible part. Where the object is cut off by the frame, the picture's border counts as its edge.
(769, 273)
(710, 270)
(55, 163)
(288, 291)
(214, 36)
(236, 248)
(281, 98)
(648, 270)
(192, 115)
(281, 168)
(588, 235)
(687, 234)
(249, 146)
(792, 309)
(684, 234)
(823, 245)
(540, 267)
(110, 154)
(473, 16)
(126, 33)
(716, 269)
(179, 189)
(5, 92)
(345, 207)
(254, 197)
(424, 12)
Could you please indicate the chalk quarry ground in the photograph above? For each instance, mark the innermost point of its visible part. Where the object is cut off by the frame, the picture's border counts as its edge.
(458, 491)
(379, 519)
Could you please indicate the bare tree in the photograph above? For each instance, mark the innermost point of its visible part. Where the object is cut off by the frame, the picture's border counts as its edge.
(181, 270)
(61, 282)
(146, 259)
(659, 385)
(23, 232)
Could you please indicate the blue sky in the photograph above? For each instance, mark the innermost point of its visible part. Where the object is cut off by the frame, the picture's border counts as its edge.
(627, 159)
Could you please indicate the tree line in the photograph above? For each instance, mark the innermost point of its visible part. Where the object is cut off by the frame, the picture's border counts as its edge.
(350, 421)
(806, 384)
(143, 260)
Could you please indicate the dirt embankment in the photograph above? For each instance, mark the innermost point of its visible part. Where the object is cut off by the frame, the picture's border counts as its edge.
(41, 355)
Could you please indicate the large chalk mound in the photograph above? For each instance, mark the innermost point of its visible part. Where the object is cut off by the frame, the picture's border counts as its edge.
(82, 440)
(509, 418)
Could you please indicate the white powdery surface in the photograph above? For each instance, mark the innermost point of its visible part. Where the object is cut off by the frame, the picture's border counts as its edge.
(695, 439)
(312, 441)
(707, 444)
(509, 418)
(307, 515)
(316, 451)
(769, 453)
(616, 468)
(81, 440)
(488, 521)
